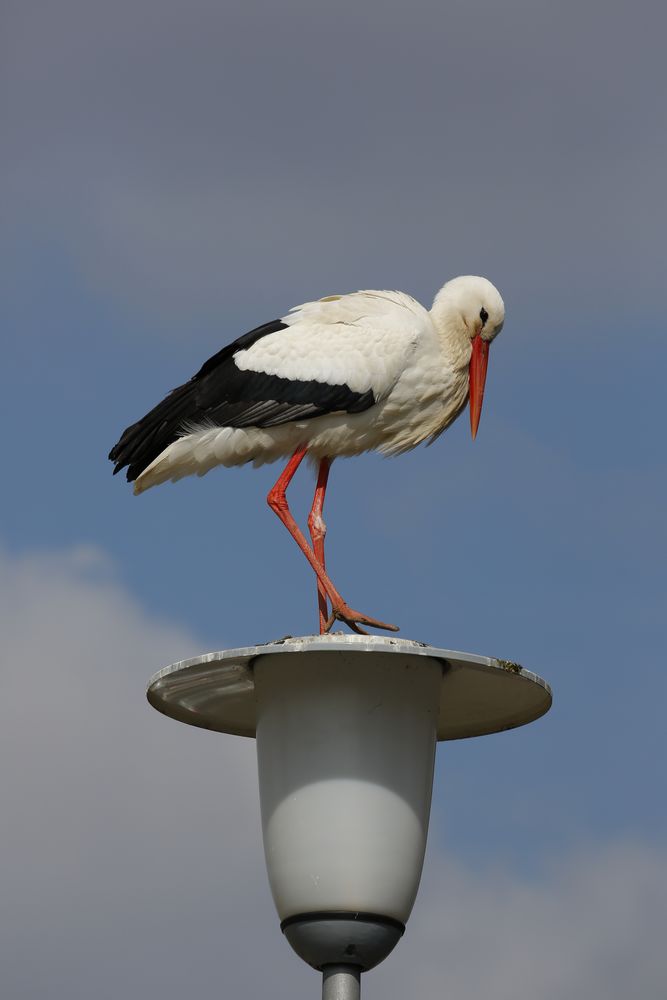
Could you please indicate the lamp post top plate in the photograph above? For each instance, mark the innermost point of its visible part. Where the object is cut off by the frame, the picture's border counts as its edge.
(479, 694)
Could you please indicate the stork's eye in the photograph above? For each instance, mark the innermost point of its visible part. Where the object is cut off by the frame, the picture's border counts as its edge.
(483, 315)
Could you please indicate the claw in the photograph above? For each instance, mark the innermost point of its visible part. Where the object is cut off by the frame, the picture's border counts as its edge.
(354, 619)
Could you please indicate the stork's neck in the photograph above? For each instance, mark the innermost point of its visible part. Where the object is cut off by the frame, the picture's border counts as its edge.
(452, 329)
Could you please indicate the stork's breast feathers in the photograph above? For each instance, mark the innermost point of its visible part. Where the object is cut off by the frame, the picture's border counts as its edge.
(363, 341)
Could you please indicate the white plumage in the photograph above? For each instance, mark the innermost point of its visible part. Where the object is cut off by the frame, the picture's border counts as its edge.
(334, 377)
(415, 363)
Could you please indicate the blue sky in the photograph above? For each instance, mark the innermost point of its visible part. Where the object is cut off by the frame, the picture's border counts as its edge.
(177, 175)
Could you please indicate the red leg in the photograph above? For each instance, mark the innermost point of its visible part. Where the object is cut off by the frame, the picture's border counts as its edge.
(277, 501)
(318, 530)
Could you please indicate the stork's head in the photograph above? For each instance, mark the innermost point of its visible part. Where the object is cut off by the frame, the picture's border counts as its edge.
(479, 312)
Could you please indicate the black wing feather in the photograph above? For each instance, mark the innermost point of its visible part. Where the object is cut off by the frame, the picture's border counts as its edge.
(221, 395)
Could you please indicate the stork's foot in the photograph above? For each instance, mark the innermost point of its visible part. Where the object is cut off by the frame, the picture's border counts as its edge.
(344, 613)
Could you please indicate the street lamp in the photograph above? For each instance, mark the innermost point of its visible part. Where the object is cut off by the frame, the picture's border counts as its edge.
(346, 728)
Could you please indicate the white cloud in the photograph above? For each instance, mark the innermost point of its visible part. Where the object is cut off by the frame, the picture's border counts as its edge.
(592, 926)
(132, 857)
(118, 824)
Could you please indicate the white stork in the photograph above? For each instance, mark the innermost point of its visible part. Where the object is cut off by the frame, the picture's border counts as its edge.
(335, 377)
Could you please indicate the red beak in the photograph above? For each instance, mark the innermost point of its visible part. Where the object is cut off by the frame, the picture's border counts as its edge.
(477, 376)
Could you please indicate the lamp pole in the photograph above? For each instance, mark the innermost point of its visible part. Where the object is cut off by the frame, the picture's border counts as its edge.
(341, 982)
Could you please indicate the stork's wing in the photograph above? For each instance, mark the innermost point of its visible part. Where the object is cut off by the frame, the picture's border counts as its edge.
(341, 354)
(362, 340)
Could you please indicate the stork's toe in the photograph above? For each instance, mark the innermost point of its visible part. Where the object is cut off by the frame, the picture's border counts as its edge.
(355, 619)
